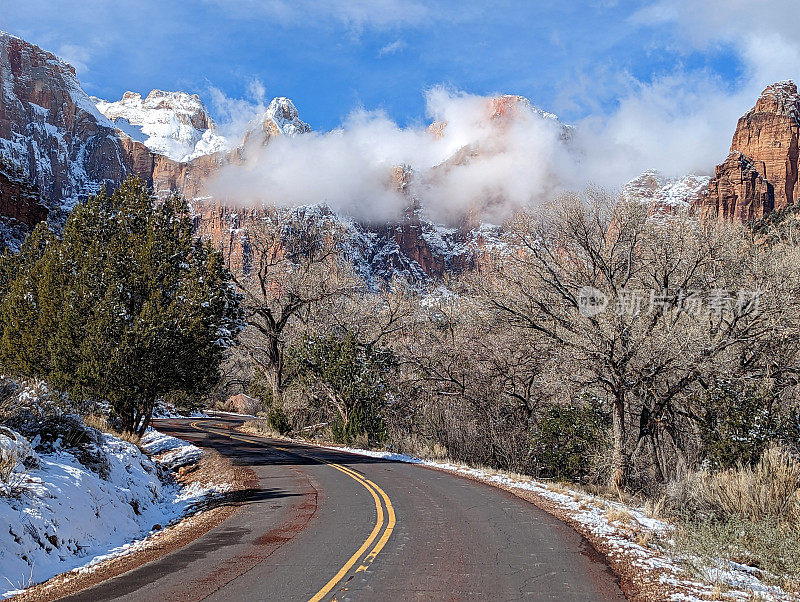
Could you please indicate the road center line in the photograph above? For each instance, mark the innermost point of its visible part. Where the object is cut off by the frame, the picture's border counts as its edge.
(374, 490)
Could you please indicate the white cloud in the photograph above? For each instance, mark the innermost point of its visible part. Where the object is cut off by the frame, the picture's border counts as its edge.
(683, 122)
(355, 14)
(392, 47)
(235, 115)
(77, 56)
(521, 160)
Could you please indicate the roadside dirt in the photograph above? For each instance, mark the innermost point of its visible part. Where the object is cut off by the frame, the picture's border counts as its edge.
(212, 467)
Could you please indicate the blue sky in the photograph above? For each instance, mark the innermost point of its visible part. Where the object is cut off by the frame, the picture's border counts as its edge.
(333, 56)
(647, 85)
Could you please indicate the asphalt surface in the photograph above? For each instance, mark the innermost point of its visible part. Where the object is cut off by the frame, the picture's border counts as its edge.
(323, 524)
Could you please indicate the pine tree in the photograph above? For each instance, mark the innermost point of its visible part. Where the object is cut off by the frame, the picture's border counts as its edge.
(128, 306)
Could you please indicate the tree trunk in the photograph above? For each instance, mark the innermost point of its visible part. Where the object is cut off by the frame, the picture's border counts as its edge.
(276, 373)
(620, 460)
(145, 416)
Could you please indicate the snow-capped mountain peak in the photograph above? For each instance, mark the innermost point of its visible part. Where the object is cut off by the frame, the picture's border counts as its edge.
(282, 117)
(174, 124)
(665, 196)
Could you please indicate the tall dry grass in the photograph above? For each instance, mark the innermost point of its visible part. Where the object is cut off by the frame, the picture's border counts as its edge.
(768, 490)
(749, 515)
(7, 464)
(261, 428)
(101, 423)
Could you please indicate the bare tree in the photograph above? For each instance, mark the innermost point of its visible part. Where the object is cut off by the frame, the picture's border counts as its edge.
(296, 267)
(673, 315)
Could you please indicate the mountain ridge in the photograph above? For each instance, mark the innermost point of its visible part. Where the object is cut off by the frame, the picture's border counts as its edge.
(64, 145)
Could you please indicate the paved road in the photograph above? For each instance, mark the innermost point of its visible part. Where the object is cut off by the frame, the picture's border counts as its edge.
(326, 525)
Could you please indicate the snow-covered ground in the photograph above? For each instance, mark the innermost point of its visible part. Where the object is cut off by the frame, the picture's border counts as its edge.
(63, 515)
(627, 536)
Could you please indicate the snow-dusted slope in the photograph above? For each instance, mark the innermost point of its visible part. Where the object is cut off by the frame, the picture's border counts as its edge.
(174, 124)
(60, 514)
(50, 129)
(281, 118)
(665, 195)
(414, 248)
(177, 125)
(282, 114)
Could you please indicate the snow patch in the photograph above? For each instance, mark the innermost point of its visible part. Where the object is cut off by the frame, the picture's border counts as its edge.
(62, 516)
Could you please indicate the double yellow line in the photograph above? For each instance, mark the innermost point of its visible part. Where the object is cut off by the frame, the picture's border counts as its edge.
(359, 554)
(381, 500)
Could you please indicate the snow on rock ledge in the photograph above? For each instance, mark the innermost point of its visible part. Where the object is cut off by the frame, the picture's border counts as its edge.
(665, 196)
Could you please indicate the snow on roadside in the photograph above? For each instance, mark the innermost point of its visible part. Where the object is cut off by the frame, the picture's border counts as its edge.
(63, 516)
(167, 410)
(173, 453)
(624, 534)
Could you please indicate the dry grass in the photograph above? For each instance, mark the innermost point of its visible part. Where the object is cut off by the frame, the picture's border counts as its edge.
(360, 441)
(12, 482)
(749, 515)
(420, 448)
(768, 490)
(212, 467)
(7, 464)
(618, 515)
(644, 538)
(260, 427)
(101, 423)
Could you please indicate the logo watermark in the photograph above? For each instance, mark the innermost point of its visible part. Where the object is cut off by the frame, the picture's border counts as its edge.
(592, 301)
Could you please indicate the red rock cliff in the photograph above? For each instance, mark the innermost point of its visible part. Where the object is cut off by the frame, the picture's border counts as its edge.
(761, 173)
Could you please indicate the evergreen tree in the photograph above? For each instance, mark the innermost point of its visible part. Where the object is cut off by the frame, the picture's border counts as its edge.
(352, 380)
(128, 306)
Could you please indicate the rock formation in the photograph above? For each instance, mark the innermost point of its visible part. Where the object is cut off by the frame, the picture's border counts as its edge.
(70, 145)
(19, 200)
(50, 128)
(760, 174)
(666, 196)
(21, 206)
(739, 190)
(173, 124)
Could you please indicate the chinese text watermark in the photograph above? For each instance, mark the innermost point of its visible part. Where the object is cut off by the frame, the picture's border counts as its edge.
(592, 301)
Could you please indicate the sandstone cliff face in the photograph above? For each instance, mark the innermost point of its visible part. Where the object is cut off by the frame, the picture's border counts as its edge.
(50, 129)
(768, 133)
(739, 190)
(19, 200)
(761, 173)
(414, 248)
(21, 206)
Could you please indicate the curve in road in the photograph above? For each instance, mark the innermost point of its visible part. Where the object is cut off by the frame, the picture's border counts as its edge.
(323, 525)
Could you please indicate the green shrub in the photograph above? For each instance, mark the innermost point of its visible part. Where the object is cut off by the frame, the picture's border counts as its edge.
(566, 440)
(128, 306)
(277, 419)
(350, 381)
(738, 423)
